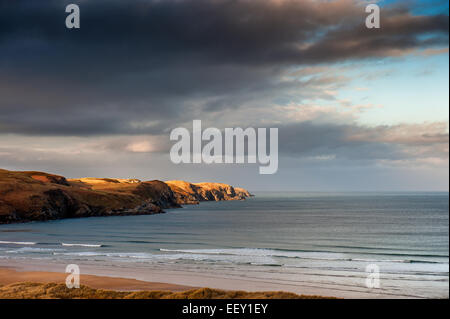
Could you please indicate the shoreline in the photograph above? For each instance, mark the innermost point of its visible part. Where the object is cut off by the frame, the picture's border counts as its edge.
(137, 279)
(44, 284)
(341, 276)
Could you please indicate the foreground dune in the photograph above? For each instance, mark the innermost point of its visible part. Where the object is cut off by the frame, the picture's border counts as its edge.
(50, 285)
(29, 290)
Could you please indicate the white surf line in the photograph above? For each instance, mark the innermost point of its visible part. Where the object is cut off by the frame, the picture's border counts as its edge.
(81, 245)
(17, 242)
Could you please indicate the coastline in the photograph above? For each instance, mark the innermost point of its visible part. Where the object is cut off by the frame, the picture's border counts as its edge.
(27, 196)
(137, 279)
(250, 269)
(39, 284)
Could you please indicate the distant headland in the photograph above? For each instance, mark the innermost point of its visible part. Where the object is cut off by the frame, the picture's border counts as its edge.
(30, 196)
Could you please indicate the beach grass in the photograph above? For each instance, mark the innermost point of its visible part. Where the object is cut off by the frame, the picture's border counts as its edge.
(34, 290)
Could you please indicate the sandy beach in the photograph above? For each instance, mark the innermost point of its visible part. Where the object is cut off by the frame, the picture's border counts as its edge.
(51, 285)
(166, 280)
(10, 276)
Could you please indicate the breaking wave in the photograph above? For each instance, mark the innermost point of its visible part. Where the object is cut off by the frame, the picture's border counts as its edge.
(17, 242)
(278, 253)
(81, 245)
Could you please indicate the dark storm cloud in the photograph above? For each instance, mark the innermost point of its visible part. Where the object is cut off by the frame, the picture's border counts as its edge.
(166, 61)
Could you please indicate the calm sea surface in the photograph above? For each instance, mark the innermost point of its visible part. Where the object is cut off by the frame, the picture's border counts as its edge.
(313, 239)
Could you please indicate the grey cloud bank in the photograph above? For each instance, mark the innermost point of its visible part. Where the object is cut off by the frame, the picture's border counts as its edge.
(137, 69)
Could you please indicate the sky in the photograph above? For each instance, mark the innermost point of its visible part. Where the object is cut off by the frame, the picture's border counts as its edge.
(357, 109)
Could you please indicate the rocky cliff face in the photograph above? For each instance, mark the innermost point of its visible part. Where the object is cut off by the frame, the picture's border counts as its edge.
(27, 196)
(193, 193)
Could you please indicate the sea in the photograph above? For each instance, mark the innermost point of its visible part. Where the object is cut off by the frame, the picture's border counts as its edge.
(368, 245)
